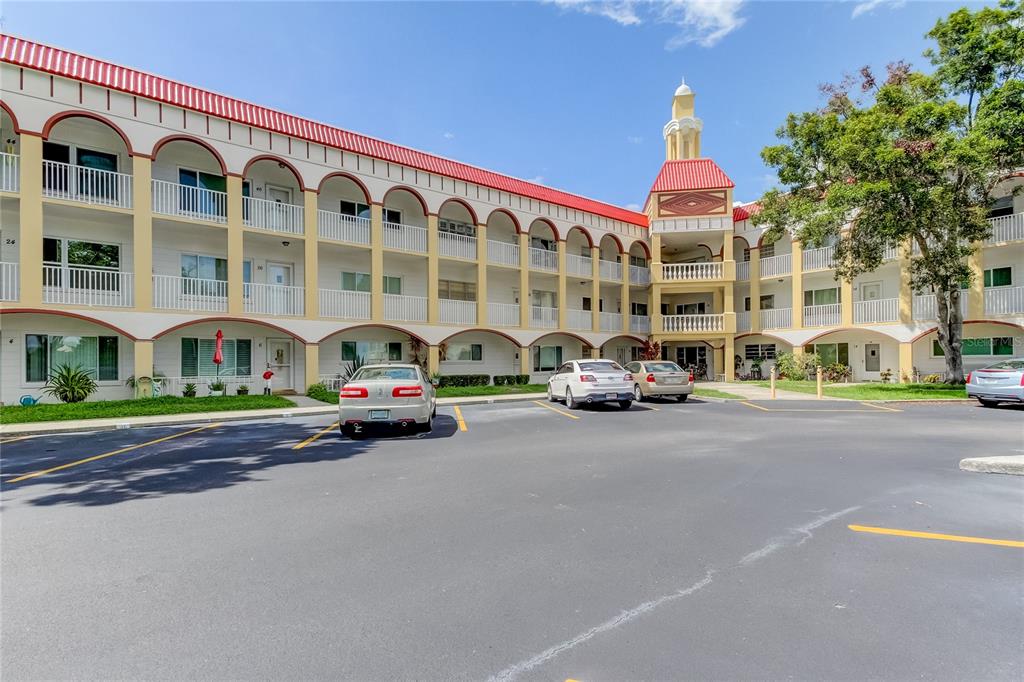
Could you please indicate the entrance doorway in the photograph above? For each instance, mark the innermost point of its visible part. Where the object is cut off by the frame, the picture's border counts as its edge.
(872, 357)
(279, 361)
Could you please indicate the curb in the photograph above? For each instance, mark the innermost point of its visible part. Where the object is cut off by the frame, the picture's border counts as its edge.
(1010, 464)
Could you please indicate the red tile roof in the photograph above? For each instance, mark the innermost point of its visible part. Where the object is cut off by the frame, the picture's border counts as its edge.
(744, 212)
(691, 174)
(26, 53)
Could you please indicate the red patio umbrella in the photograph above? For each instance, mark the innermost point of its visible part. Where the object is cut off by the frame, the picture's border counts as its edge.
(218, 354)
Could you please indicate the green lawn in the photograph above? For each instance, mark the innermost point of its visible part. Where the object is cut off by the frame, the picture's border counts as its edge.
(874, 391)
(715, 393)
(138, 408)
(472, 391)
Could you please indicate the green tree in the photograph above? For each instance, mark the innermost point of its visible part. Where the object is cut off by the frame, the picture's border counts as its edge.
(911, 159)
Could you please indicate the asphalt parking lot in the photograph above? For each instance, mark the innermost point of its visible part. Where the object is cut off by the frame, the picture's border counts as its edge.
(522, 541)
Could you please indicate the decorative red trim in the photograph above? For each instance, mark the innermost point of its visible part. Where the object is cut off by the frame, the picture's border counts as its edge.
(586, 233)
(643, 245)
(411, 191)
(278, 159)
(224, 318)
(72, 113)
(188, 138)
(340, 174)
(496, 332)
(617, 241)
(561, 333)
(10, 112)
(379, 326)
(554, 230)
(770, 336)
(515, 221)
(1002, 322)
(623, 336)
(849, 329)
(456, 200)
(68, 313)
(741, 238)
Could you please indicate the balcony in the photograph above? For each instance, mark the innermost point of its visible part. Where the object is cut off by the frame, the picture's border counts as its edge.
(190, 293)
(692, 272)
(87, 286)
(581, 266)
(777, 318)
(890, 253)
(638, 275)
(925, 307)
(819, 259)
(275, 216)
(743, 321)
(343, 228)
(86, 185)
(742, 271)
(345, 305)
(827, 315)
(8, 281)
(274, 299)
(503, 314)
(502, 253)
(610, 270)
(1004, 300)
(579, 320)
(542, 259)
(777, 266)
(8, 172)
(405, 237)
(195, 203)
(611, 322)
(693, 323)
(398, 308)
(1007, 228)
(452, 245)
(878, 310)
(543, 317)
(457, 312)
(640, 324)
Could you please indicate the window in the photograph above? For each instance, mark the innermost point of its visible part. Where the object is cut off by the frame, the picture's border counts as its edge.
(201, 202)
(821, 296)
(456, 291)
(995, 346)
(1003, 206)
(354, 208)
(197, 358)
(392, 285)
(392, 373)
(767, 302)
(691, 308)
(455, 227)
(586, 304)
(392, 216)
(831, 353)
(371, 351)
(545, 299)
(767, 250)
(638, 261)
(355, 281)
(465, 352)
(75, 253)
(762, 351)
(541, 243)
(78, 178)
(97, 355)
(637, 308)
(546, 358)
(998, 277)
(194, 266)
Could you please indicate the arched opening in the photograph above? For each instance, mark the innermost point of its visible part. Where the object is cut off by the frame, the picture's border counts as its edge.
(503, 260)
(479, 351)
(343, 204)
(622, 349)
(578, 252)
(87, 159)
(639, 264)
(272, 195)
(757, 354)
(456, 225)
(543, 246)
(549, 351)
(367, 344)
(984, 343)
(11, 150)
(870, 355)
(189, 180)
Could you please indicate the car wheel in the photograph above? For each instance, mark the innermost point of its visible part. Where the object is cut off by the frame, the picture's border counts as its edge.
(427, 426)
(682, 398)
(551, 396)
(569, 402)
(625, 404)
(433, 412)
(988, 403)
(638, 395)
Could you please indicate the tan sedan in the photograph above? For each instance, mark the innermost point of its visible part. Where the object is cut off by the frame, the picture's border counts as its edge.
(660, 379)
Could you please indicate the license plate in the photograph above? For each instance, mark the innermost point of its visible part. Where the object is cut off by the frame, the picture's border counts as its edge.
(611, 396)
(673, 380)
(379, 414)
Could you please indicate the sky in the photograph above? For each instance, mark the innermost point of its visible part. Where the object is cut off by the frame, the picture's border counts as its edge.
(570, 94)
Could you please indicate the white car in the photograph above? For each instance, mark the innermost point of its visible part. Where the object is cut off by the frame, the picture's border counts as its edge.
(579, 382)
(398, 395)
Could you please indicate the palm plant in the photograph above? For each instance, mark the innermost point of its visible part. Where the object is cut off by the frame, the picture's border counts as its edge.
(70, 384)
(349, 370)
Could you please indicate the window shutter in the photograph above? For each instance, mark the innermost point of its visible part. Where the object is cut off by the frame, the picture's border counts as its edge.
(206, 350)
(189, 357)
(243, 357)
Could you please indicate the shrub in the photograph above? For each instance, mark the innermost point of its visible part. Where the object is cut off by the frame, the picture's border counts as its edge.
(837, 371)
(322, 393)
(217, 385)
(189, 390)
(931, 378)
(511, 379)
(464, 380)
(791, 367)
(70, 384)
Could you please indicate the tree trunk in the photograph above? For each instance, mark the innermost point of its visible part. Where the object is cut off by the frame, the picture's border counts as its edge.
(950, 333)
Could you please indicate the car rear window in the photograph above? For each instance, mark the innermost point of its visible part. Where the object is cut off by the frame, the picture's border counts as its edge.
(663, 367)
(600, 367)
(385, 374)
(1008, 364)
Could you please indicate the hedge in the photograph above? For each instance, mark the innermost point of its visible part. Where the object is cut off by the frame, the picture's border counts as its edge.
(447, 380)
(511, 379)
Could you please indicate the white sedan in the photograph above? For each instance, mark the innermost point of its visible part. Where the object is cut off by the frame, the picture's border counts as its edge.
(580, 382)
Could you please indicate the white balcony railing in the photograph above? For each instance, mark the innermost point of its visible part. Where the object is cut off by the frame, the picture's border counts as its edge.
(611, 322)
(170, 198)
(399, 308)
(405, 237)
(453, 245)
(86, 185)
(1004, 300)
(87, 286)
(503, 314)
(742, 271)
(822, 315)
(743, 321)
(640, 324)
(581, 266)
(274, 299)
(639, 275)
(502, 253)
(175, 385)
(543, 317)
(457, 312)
(890, 253)
(347, 305)
(878, 310)
(343, 228)
(925, 308)
(190, 293)
(1007, 228)
(819, 259)
(693, 323)
(692, 271)
(777, 318)
(8, 281)
(610, 270)
(275, 216)
(542, 259)
(777, 266)
(8, 172)
(579, 320)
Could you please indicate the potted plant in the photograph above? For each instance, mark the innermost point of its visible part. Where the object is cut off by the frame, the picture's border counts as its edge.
(189, 390)
(70, 384)
(217, 388)
(886, 376)
(242, 390)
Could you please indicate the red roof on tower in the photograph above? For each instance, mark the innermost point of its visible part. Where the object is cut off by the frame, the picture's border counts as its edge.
(29, 54)
(691, 174)
(744, 212)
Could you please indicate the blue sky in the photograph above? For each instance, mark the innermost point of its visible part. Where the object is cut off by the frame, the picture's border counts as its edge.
(571, 94)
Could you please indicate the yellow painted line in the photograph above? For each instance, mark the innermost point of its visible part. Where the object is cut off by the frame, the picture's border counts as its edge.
(111, 454)
(809, 409)
(881, 407)
(316, 435)
(935, 536)
(13, 440)
(458, 418)
(555, 409)
(756, 407)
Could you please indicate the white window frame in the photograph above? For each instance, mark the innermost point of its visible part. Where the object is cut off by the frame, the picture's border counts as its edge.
(64, 252)
(39, 384)
(470, 361)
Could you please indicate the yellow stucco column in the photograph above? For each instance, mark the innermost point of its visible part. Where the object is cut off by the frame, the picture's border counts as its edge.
(657, 324)
(595, 352)
(906, 291)
(729, 299)
(481, 275)
(30, 250)
(845, 302)
(718, 360)
(624, 296)
(524, 280)
(906, 371)
(433, 360)
(525, 367)
(798, 286)
(730, 355)
(142, 231)
(377, 262)
(311, 251)
(755, 289)
(717, 306)
(312, 365)
(976, 294)
(433, 269)
(595, 288)
(236, 246)
(143, 366)
(563, 309)
(727, 250)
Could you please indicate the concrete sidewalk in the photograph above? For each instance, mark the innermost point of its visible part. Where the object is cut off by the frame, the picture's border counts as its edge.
(1008, 464)
(749, 391)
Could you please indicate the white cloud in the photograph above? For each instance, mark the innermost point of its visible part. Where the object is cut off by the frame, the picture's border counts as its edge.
(634, 139)
(634, 207)
(449, 135)
(537, 180)
(869, 6)
(704, 22)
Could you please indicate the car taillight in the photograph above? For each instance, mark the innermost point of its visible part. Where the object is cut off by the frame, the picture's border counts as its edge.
(627, 377)
(1021, 380)
(407, 392)
(970, 373)
(588, 377)
(691, 377)
(353, 392)
(650, 378)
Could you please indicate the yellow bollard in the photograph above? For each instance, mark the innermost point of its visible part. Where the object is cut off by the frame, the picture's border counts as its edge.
(773, 383)
(819, 383)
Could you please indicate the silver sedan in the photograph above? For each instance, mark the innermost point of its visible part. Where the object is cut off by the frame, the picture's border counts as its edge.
(659, 379)
(1002, 382)
(399, 395)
